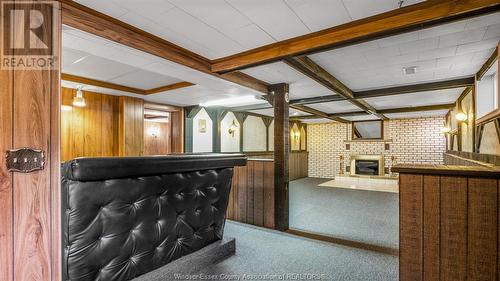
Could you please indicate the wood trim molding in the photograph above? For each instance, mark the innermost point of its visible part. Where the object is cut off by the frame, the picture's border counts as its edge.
(418, 108)
(433, 86)
(113, 86)
(487, 65)
(170, 87)
(405, 19)
(98, 83)
(314, 71)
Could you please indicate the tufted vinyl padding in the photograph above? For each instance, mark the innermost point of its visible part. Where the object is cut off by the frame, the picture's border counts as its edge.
(119, 228)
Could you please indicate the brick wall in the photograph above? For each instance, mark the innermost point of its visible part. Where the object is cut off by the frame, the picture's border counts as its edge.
(411, 141)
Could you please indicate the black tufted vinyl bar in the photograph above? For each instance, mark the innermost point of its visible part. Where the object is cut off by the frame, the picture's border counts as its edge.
(123, 217)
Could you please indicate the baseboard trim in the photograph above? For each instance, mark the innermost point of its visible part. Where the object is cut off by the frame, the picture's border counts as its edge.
(344, 242)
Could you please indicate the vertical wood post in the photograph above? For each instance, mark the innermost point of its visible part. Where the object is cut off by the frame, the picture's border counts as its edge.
(281, 153)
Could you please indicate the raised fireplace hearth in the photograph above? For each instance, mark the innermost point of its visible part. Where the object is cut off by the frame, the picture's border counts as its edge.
(367, 165)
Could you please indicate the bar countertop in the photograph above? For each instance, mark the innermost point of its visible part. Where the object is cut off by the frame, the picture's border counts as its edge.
(476, 171)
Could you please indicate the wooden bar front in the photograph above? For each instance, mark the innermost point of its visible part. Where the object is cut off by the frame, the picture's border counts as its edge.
(449, 226)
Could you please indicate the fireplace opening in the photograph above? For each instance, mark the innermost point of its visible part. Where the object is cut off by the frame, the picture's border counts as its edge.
(367, 167)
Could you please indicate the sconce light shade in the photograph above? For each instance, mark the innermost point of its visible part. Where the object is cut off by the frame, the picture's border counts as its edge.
(461, 117)
(295, 135)
(233, 128)
(445, 130)
(79, 100)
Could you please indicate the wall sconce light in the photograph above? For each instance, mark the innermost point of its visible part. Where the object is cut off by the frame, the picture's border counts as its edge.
(445, 130)
(460, 116)
(154, 131)
(232, 129)
(296, 135)
(79, 100)
(66, 107)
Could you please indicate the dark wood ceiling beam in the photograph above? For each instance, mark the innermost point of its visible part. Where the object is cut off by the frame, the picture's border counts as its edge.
(251, 107)
(418, 108)
(413, 17)
(102, 84)
(320, 99)
(170, 87)
(317, 113)
(487, 65)
(311, 69)
(424, 87)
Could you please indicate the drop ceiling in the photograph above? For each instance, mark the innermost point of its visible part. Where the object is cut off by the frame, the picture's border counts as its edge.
(219, 28)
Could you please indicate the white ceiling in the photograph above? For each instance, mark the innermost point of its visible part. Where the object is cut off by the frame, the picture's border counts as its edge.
(443, 52)
(361, 117)
(270, 112)
(94, 57)
(416, 99)
(420, 114)
(219, 28)
(301, 86)
(335, 107)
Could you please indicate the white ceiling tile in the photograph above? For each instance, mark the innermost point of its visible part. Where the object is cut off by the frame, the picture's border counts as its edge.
(316, 121)
(199, 32)
(278, 72)
(98, 68)
(144, 79)
(362, 9)
(335, 107)
(477, 46)
(274, 16)
(320, 14)
(493, 31)
(307, 88)
(109, 8)
(483, 21)
(443, 29)
(419, 45)
(438, 53)
(250, 36)
(361, 117)
(398, 39)
(416, 99)
(419, 114)
(463, 37)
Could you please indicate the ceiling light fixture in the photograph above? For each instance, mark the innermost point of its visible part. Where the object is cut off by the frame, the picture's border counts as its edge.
(230, 101)
(79, 60)
(233, 128)
(79, 100)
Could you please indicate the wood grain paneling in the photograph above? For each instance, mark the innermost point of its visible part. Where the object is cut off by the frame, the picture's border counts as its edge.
(298, 164)
(410, 232)
(431, 227)
(482, 248)
(458, 222)
(130, 126)
(177, 131)
(157, 145)
(6, 191)
(453, 241)
(90, 130)
(252, 194)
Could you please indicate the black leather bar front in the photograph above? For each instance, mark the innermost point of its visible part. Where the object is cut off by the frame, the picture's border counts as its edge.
(123, 217)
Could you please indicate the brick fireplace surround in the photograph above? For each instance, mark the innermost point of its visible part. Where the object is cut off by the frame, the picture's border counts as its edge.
(411, 141)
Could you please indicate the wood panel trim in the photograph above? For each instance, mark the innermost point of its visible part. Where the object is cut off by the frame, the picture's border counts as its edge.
(170, 87)
(487, 65)
(432, 86)
(449, 170)
(413, 17)
(99, 83)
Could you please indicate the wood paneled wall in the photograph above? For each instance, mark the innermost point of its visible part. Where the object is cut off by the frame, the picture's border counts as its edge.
(130, 126)
(157, 145)
(30, 210)
(252, 194)
(177, 121)
(299, 165)
(91, 130)
(448, 227)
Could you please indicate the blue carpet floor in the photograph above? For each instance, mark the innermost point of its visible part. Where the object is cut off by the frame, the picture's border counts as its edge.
(369, 217)
(261, 251)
